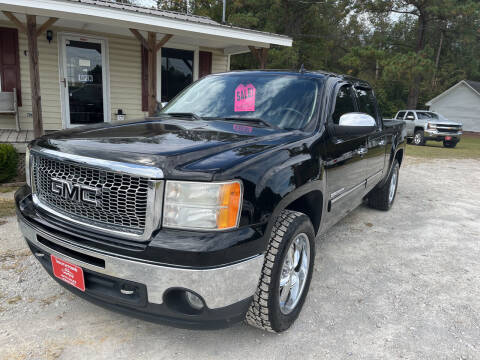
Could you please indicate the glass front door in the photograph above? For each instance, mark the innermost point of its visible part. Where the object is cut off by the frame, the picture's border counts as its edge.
(84, 81)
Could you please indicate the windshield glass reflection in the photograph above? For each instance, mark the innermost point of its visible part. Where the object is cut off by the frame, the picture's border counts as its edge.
(283, 101)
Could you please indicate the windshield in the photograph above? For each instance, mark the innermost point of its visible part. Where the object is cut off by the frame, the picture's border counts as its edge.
(283, 101)
(426, 115)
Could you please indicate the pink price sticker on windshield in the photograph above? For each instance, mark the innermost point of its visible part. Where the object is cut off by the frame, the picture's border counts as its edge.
(245, 98)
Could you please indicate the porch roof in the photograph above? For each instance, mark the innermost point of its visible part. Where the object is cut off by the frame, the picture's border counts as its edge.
(122, 16)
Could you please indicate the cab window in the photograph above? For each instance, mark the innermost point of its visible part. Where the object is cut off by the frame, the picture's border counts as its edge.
(400, 115)
(410, 116)
(344, 103)
(366, 102)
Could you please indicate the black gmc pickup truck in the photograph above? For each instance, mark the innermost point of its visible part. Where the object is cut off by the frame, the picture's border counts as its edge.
(207, 214)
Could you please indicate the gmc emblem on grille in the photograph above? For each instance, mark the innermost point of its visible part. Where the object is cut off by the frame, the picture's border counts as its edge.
(76, 192)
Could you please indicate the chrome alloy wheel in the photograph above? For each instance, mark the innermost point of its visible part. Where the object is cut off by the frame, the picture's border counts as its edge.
(417, 138)
(393, 185)
(294, 273)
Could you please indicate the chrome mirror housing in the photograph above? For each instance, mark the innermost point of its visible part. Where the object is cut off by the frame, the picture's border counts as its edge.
(357, 119)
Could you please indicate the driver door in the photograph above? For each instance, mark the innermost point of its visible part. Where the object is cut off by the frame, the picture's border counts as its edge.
(345, 160)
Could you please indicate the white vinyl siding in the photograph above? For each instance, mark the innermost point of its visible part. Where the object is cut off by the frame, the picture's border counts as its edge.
(125, 77)
(462, 105)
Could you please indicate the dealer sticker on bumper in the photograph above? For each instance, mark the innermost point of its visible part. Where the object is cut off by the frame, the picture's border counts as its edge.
(70, 273)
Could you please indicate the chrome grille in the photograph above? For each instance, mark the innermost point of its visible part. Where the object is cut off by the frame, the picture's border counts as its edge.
(122, 203)
(448, 128)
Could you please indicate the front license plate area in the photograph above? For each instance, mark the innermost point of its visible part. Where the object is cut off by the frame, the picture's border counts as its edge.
(70, 273)
(448, 138)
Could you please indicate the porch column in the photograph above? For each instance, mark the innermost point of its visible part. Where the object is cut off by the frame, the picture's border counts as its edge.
(34, 76)
(152, 48)
(152, 73)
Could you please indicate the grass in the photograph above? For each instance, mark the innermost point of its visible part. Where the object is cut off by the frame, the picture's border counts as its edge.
(7, 208)
(467, 148)
(6, 189)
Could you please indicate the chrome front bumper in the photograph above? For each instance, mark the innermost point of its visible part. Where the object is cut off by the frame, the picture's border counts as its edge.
(219, 287)
(434, 134)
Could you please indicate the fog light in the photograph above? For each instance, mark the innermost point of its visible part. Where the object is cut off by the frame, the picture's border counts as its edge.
(194, 301)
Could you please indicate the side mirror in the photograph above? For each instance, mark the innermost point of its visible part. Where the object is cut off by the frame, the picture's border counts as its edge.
(357, 119)
(355, 124)
(410, 117)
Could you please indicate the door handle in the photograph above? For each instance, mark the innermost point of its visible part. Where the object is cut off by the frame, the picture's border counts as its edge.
(361, 151)
(64, 81)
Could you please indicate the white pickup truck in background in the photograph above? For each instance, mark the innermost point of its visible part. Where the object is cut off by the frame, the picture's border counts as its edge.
(424, 125)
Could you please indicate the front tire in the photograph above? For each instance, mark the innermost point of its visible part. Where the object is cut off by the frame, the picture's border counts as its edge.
(418, 138)
(286, 273)
(382, 198)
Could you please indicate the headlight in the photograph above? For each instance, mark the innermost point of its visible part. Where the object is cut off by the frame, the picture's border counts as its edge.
(204, 206)
(27, 167)
(431, 126)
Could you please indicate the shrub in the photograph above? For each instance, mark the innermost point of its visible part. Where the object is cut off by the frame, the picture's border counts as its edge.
(8, 162)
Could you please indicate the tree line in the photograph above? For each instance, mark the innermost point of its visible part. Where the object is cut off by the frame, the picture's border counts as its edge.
(409, 50)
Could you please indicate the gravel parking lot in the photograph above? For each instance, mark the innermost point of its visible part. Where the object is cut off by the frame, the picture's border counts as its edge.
(387, 285)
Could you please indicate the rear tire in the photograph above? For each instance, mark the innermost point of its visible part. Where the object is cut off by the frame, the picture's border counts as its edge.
(449, 144)
(382, 198)
(275, 307)
(418, 138)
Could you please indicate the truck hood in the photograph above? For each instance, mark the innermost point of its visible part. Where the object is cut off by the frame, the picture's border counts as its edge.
(179, 147)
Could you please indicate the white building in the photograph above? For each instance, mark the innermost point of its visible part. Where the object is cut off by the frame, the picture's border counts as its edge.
(460, 103)
(101, 61)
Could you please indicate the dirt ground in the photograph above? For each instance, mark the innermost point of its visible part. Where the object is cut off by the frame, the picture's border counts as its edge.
(387, 285)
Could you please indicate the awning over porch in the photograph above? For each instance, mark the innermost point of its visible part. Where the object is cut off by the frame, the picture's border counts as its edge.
(107, 16)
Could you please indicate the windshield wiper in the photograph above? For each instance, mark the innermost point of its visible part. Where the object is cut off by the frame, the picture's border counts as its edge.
(184, 114)
(251, 120)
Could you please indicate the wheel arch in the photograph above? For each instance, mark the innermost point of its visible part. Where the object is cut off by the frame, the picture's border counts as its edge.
(308, 199)
(308, 205)
(399, 156)
(397, 153)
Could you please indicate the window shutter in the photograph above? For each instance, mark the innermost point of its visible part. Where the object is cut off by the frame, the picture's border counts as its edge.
(9, 62)
(144, 51)
(204, 64)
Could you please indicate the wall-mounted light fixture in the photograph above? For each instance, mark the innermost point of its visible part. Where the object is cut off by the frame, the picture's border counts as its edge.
(49, 36)
(120, 115)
